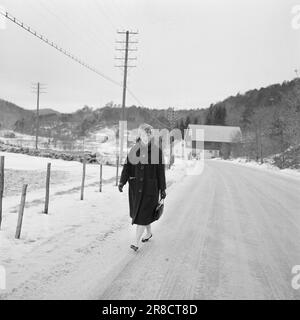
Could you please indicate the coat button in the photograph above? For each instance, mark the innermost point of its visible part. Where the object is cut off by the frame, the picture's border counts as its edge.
(141, 179)
(142, 167)
(140, 190)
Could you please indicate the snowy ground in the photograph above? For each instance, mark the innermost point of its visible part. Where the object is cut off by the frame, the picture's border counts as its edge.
(52, 245)
(22, 169)
(264, 166)
(231, 233)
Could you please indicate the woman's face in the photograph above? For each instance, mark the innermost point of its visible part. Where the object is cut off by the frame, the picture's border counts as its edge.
(145, 135)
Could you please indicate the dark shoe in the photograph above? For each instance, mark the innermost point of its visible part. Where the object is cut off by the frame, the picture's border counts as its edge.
(135, 248)
(147, 239)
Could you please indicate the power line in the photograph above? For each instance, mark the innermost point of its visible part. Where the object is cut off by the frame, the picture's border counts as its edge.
(120, 13)
(88, 41)
(70, 55)
(135, 97)
(57, 47)
(88, 17)
(81, 19)
(105, 15)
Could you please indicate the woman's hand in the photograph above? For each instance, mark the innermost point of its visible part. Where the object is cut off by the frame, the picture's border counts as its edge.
(120, 186)
(163, 194)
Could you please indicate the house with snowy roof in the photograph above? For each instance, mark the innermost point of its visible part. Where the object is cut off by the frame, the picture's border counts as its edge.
(214, 140)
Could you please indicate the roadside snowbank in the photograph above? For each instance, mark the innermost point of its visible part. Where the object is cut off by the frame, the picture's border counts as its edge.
(264, 166)
(52, 245)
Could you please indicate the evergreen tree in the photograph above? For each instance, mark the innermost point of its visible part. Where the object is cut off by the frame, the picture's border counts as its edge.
(187, 122)
(182, 127)
(19, 125)
(220, 116)
(209, 116)
(216, 115)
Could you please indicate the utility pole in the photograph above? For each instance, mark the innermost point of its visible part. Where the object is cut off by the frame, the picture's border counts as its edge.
(261, 143)
(37, 89)
(125, 67)
(125, 76)
(171, 117)
(37, 126)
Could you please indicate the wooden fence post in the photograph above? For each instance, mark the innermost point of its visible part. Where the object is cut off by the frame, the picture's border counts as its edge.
(1, 185)
(117, 173)
(100, 186)
(171, 162)
(21, 212)
(47, 188)
(83, 178)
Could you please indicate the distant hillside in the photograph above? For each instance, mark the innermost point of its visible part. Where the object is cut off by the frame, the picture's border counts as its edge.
(269, 118)
(10, 113)
(46, 111)
(86, 120)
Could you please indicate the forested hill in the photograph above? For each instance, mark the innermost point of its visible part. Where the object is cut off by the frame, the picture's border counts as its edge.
(10, 113)
(79, 123)
(269, 117)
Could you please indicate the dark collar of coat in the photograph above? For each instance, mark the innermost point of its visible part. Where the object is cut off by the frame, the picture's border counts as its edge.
(140, 146)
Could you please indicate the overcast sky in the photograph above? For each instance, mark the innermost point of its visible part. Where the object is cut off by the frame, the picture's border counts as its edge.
(190, 53)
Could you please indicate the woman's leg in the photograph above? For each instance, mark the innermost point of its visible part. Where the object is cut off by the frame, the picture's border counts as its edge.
(149, 232)
(139, 232)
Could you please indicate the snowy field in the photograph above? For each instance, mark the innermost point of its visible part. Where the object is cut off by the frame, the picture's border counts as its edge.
(53, 246)
(20, 169)
(71, 226)
(235, 221)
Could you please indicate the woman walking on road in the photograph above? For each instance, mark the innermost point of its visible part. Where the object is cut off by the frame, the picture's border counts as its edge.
(144, 170)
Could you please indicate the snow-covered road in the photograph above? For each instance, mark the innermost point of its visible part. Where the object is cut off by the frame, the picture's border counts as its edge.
(232, 232)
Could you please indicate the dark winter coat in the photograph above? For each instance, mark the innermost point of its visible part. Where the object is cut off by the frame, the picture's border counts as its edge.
(146, 179)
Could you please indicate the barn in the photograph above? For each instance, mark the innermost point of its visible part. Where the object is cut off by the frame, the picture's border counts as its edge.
(215, 140)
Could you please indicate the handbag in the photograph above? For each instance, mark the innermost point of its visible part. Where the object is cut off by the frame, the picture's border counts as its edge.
(159, 209)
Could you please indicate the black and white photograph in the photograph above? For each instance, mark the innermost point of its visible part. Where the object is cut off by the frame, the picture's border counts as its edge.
(149, 151)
